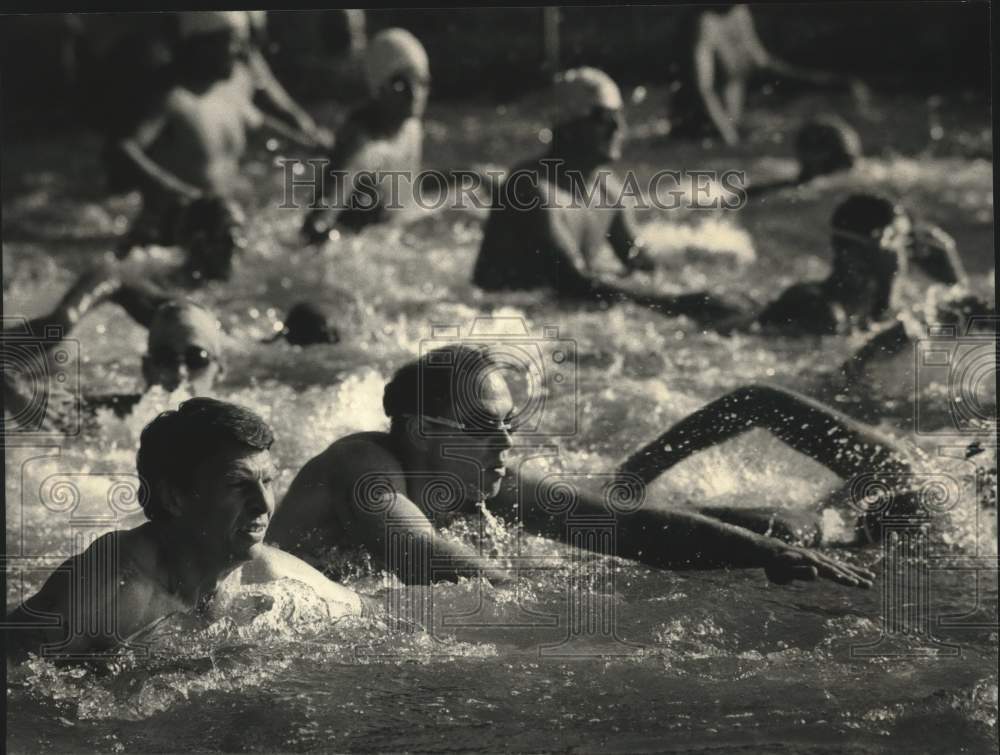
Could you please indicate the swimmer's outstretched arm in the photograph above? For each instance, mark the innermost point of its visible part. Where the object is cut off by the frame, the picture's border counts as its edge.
(89, 290)
(140, 301)
(889, 342)
(566, 276)
(151, 177)
(292, 133)
(274, 100)
(347, 157)
(839, 443)
(672, 539)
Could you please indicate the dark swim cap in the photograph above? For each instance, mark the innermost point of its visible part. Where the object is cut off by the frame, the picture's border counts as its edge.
(442, 382)
(865, 215)
(306, 324)
(826, 145)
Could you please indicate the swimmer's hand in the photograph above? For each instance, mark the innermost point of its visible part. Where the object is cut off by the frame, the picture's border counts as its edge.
(324, 137)
(789, 563)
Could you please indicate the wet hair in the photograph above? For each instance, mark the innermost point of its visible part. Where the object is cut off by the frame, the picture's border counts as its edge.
(307, 324)
(436, 383)
(865, 215)
(826, 145)
(177, 442)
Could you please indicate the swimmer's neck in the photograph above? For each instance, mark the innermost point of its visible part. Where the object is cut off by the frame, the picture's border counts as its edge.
(573, 161)
(383, 121)
(413, 461)
(199, 83)
(192, 573)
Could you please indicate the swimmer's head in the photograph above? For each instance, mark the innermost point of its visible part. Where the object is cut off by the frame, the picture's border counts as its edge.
(826, 145)
(207, 470)
(587, 114)
(184, 347)
(871, 235)
(212, 42)
(451, 409)
(398, 72)
(306, 324)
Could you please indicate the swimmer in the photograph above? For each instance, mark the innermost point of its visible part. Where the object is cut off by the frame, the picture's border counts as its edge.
(207, 472)
(823, 146)
(873, 242)
(385, 134)
(306, 324)
(555, 214)
(726, 37)
(184, 157)
(446, 454)
(184, 347)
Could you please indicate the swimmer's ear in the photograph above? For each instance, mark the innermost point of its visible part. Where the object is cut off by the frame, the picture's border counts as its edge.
(413, 432)
(170, 500)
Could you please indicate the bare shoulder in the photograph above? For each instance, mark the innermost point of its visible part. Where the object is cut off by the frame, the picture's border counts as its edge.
(269, 564)
(362, 452)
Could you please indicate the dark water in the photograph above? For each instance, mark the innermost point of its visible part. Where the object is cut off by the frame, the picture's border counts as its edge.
(696, 661)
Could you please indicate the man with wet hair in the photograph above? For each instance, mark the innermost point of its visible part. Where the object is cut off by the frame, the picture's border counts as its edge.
(384, 135)
(445, 454)
(206, 472)
(555, 214)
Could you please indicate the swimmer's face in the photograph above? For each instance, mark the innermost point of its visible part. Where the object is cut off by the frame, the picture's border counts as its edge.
(216, 53)
(183, 350)
(476, 452)
(405, 95)
(231, 501)
(881, 255)
(601, 133)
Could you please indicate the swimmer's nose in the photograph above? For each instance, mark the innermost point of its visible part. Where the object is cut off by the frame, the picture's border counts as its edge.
(260, 501)
(504, 441)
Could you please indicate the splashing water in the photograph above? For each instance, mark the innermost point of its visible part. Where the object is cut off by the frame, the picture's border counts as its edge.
(693, 655)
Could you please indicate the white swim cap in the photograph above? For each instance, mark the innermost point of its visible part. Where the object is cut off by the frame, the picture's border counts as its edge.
(183, 321)
(394, 51)
(206, 22)
(578, 91)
